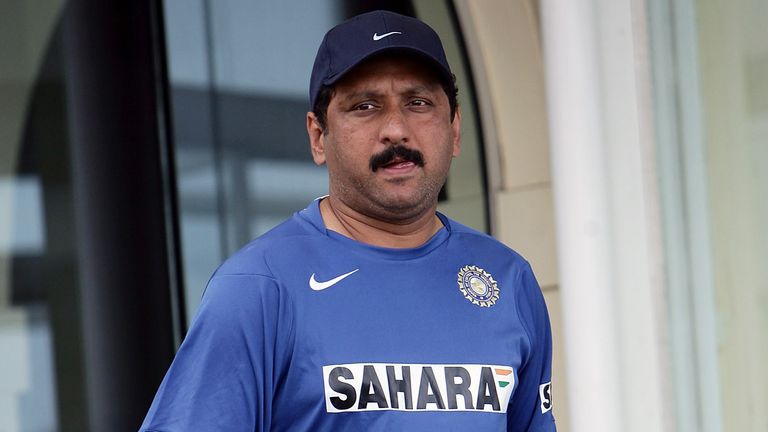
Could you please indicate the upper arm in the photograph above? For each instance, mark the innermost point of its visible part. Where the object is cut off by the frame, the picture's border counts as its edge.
(224, 374)
(530, 408)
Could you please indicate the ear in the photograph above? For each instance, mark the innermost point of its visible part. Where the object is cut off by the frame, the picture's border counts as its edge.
(316, 139)
(456, 128)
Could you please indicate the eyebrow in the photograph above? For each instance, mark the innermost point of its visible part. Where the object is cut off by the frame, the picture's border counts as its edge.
(372, 94)
(363, 94)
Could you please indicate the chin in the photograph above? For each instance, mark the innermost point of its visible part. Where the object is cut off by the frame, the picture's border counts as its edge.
(408, 203)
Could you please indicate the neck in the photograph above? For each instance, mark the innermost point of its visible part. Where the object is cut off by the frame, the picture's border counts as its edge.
(402, 234)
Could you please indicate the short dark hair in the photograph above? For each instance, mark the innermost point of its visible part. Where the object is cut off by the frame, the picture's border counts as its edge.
(326, 93)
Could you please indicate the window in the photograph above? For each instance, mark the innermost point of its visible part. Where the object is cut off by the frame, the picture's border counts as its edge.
(711, 101)
(38, 274)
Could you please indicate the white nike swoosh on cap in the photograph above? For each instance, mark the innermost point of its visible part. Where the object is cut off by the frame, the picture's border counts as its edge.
(319, 286)
(377, 37)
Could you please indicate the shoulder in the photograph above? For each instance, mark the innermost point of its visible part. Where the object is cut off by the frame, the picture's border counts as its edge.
(252, 275)
(498, 258)
(483, 244)
(256, 258)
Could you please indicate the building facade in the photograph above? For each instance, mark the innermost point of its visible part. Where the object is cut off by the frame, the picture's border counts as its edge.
(618, 145)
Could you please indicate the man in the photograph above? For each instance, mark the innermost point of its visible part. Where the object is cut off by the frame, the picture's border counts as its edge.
(368, 310)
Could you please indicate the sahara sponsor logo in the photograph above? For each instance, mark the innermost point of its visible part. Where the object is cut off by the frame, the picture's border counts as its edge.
(417, 387)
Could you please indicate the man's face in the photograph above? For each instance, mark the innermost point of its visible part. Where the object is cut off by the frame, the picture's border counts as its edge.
(389, 138)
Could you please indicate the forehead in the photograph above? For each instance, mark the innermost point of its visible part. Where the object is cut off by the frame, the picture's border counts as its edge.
(384, 70)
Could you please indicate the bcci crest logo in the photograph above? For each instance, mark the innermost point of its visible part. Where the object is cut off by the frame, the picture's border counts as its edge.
(478, 286)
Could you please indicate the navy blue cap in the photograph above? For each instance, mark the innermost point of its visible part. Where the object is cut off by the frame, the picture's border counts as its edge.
(357, 39)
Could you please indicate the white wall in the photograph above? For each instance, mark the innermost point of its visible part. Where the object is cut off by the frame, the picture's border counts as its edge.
(505, 50)
(606, 212)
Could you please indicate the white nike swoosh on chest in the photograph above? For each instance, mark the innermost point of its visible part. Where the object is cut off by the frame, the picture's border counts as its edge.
(319, 286)
(380, 37)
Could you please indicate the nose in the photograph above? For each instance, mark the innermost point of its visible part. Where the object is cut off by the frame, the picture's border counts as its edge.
(394, 127)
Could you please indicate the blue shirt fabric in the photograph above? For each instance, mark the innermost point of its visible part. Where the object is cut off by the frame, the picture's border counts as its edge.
(449, 336)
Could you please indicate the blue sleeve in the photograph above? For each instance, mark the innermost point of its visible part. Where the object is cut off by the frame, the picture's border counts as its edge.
(530, 409)
(225, 372)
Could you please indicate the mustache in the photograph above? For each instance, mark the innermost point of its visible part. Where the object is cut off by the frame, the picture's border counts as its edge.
(403, 153)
